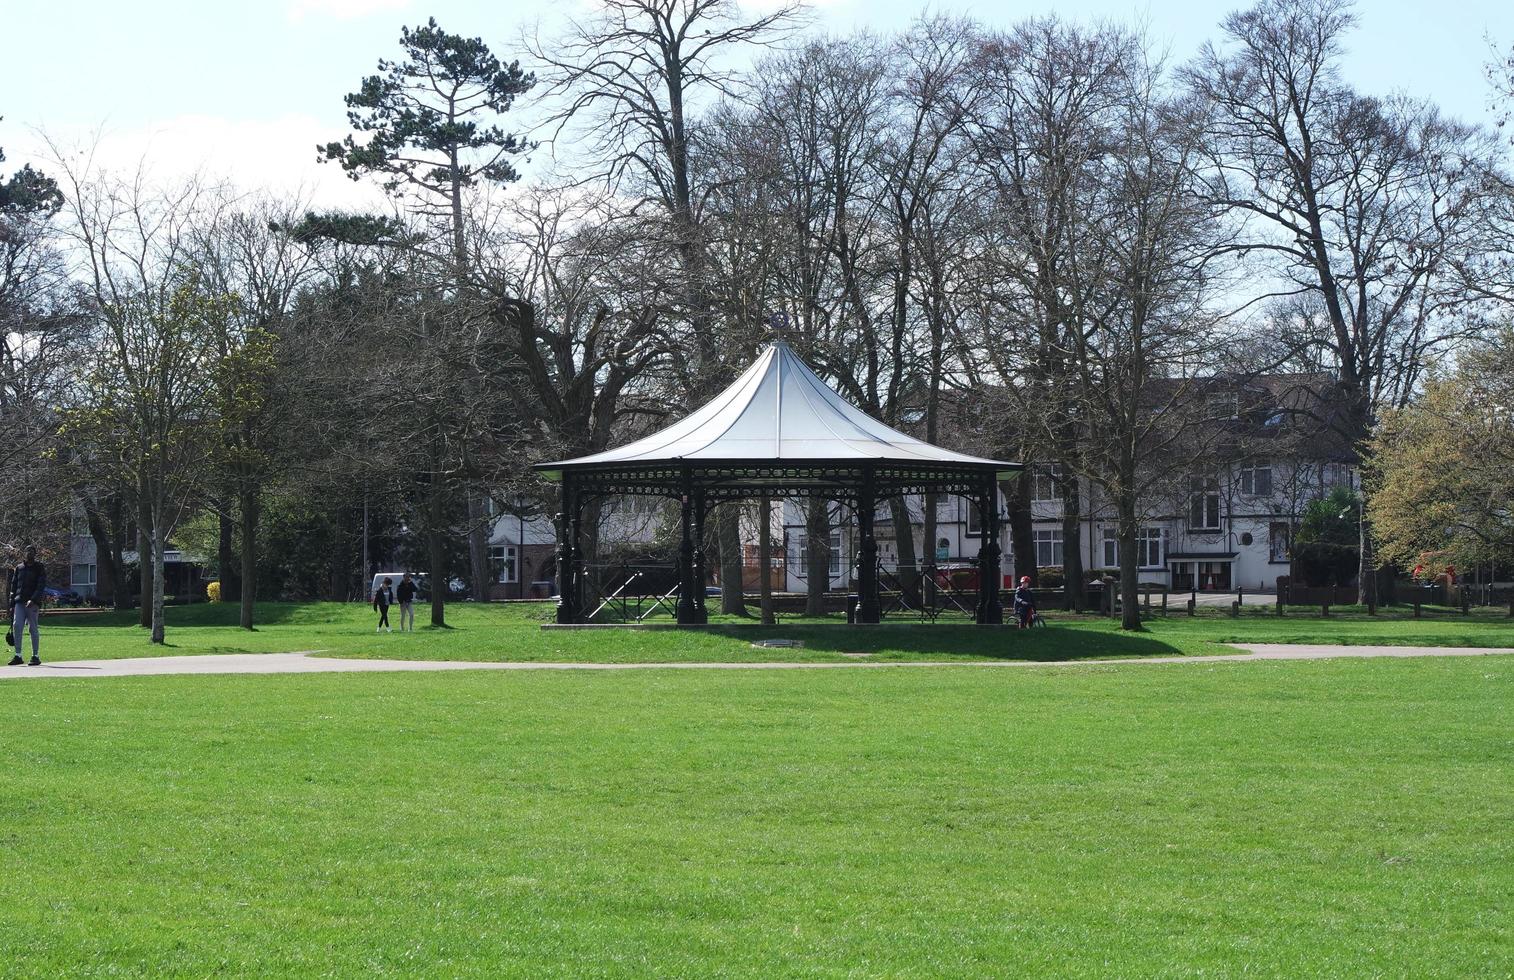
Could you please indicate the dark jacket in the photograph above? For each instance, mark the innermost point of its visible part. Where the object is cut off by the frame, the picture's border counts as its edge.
(1025, 598)
(406, 591)
(28, 580)
(383, 597)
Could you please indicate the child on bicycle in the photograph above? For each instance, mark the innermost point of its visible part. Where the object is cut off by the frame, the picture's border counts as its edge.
(1025, 603)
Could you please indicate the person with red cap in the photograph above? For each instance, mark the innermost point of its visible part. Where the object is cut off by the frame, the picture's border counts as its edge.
(1025, 603)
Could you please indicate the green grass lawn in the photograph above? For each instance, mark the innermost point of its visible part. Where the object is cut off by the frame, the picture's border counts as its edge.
(512, 632)
(1332, 818)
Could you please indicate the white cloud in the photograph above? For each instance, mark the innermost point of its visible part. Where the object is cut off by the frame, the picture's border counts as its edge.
(342, 9)
(277, 155)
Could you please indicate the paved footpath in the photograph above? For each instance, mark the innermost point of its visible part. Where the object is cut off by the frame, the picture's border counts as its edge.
(311, 663)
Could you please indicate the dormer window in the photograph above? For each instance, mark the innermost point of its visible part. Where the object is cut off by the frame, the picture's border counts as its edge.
(1256, 479)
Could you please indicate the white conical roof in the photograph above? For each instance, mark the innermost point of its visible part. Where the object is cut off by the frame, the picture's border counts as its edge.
(779, 410)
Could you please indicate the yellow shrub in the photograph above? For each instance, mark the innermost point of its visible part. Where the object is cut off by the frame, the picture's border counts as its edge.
(213, 591)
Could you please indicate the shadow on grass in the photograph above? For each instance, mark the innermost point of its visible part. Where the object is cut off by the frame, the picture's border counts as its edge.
(1053, 643)
(206, 614)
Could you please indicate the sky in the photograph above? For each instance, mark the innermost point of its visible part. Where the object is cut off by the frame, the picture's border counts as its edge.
(245, 89)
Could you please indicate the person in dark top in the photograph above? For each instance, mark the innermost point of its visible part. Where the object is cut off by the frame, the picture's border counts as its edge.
(1025, 603)
(406, 596)
(383, 598)
(27, 586)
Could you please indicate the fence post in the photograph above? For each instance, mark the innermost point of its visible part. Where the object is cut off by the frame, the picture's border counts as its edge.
(1280, 602)
(1235, 609)
(1193, 602)
(1416, 607)
(1324, 609)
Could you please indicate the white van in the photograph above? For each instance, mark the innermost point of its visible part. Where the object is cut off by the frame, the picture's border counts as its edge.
(419, 578)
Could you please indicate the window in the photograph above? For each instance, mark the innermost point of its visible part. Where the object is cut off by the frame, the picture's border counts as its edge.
(503, 558)
(1045, 480)
(1224, 405)
(1278, 536)
(804, 552)
(1203, 503)
(1336, 475)
(81, 575)
(1150, 547)
(1048, 547)
(1256, 479)
(975, 518)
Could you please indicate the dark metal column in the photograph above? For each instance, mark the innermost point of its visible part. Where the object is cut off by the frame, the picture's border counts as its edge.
(567, 554)
(990, 609)
(701, 508)
(868, 609)
(688, 611)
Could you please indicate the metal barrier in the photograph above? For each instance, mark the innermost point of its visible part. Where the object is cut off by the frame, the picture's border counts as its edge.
(633, 592)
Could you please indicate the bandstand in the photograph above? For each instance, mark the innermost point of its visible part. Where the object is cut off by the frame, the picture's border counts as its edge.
(777, 431)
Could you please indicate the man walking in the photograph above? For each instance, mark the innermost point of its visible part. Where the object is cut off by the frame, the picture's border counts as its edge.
(28, 580)
(406, 596)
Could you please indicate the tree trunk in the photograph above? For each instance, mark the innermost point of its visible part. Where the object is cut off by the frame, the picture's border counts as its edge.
(109, 580)
(479, 526)
(122, 598)
(1367, 573)
(1022, 537)
(765, 558)
(1072, 545)
(728, 531)
(436, 548)
(1125, 535)
(248, 591)
(144, 563)
(928, 548)
(231, 578)
(904, 541)
(817, 532)
(157, 583)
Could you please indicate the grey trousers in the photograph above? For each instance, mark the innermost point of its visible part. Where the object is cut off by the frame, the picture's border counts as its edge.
(407, 612)
(21, 617)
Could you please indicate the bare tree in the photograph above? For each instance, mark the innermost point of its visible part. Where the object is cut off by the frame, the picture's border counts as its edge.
(1048, 97)
(147, 406)
(632, 79)
(244, 252)
(433, 135)
(39, 334)
(132, 240)
(1144, 281)
(1361, 208)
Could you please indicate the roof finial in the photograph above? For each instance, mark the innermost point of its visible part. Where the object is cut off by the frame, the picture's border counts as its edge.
(777, 320)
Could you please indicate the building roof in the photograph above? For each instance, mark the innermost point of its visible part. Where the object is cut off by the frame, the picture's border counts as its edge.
(779, 410)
